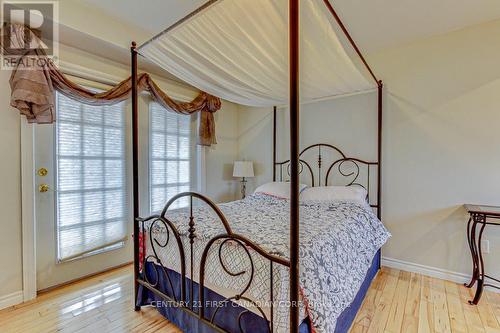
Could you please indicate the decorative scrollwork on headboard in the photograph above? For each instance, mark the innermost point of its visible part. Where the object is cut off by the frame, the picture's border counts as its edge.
(350, 171)
(301, 168)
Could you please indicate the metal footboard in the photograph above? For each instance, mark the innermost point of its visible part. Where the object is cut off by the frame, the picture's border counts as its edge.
(187, 300)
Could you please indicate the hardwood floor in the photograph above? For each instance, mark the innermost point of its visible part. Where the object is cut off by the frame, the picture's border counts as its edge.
(397, 301)
(99, 304)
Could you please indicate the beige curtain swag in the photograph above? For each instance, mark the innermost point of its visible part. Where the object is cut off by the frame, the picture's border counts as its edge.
(32, 91)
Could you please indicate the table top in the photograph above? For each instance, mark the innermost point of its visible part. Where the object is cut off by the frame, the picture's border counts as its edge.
(483, 209)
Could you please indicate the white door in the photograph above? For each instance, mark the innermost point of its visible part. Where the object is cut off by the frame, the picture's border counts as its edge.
(83, 215)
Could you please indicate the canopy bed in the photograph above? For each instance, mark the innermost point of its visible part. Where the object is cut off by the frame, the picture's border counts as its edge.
(237, 50)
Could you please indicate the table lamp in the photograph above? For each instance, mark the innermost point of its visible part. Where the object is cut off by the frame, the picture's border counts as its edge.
(243, 170)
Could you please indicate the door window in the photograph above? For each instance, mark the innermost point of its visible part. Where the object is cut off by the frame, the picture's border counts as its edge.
(91, 214)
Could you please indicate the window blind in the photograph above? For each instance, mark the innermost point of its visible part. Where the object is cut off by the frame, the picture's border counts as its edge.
(171, 156)
(91, 182)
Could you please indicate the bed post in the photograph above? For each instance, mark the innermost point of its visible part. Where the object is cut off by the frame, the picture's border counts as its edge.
(274, 143)
(379, 89)
(379, 151)
(135, 171)
(294, 163)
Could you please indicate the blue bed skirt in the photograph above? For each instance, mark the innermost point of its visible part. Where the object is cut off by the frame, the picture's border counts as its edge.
(250, 323)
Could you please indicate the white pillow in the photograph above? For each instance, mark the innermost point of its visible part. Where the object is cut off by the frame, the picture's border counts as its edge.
(278, 189)
(355, 194)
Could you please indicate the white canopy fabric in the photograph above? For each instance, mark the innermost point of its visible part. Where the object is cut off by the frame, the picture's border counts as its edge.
(238, 50)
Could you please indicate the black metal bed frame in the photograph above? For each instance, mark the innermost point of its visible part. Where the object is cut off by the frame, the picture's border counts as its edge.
(352, 177)
(294, 165)
(196, 307)
(187, 301)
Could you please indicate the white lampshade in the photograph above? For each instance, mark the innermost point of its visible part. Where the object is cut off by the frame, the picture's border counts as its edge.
(243, 169)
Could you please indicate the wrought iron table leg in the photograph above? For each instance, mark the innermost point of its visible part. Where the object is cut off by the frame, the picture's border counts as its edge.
(479, 292)
(470, 226)
(480, 268)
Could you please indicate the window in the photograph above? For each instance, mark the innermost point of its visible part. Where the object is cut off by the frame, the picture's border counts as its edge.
(171, 155)
(91, 188)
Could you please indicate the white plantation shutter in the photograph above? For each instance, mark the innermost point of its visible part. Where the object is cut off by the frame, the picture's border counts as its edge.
(91, 187)
(171, 155)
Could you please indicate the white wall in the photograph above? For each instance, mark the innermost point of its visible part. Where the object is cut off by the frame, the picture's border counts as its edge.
(349, 123)
(440, 147)
(10, 195)
(220, 184)
(255, 142)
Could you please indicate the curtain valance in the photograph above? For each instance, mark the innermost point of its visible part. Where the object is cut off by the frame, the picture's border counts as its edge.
(32, 89)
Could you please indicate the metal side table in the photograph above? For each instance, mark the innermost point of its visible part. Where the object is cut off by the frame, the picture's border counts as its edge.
(480, 217)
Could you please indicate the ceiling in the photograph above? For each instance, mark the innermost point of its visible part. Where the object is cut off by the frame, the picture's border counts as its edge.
(374, 24)
(150, 15)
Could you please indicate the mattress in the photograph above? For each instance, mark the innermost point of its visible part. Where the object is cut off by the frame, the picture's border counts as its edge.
(338, 243)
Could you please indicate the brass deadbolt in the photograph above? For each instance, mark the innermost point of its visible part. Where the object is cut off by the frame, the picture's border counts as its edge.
(42, 172)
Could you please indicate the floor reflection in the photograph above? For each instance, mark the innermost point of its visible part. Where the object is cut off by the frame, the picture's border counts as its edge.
(93, 300)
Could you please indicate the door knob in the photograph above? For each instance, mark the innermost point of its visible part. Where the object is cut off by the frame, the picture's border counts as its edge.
(42, 172)
(42, 188)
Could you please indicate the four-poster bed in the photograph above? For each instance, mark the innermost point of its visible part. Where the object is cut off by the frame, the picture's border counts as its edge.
(196, 302)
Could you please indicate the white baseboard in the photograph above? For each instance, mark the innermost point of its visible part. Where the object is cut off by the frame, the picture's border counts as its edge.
(11, 299)
(425, 270)
(429, 271)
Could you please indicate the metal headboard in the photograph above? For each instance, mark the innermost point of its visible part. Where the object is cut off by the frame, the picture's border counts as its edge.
(340, 169)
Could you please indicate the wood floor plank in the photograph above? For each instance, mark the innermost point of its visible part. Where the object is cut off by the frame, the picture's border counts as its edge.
(383, 307)
(441, 313)
(426, 308)
(472, 318)
(455, 311)
(357, 328)
(412, 306)
(493, 297)
(395, 302)
(487, 313)
(494, 303)
(365, 314)
(86, 306)
(397, 311)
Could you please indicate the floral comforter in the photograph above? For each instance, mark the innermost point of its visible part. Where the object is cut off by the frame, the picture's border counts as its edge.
(338, 241)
